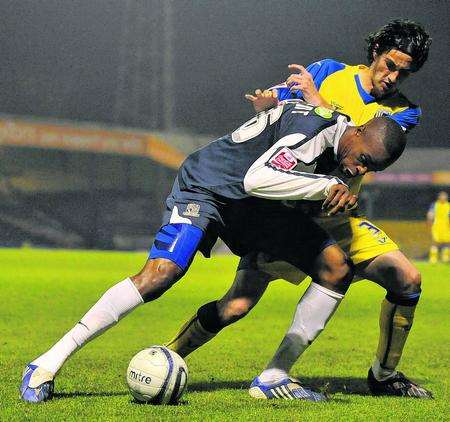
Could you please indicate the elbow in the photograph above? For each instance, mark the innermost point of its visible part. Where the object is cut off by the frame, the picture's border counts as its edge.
(250, 184)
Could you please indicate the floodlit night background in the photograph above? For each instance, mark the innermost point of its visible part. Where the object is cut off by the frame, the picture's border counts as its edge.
(177, 71)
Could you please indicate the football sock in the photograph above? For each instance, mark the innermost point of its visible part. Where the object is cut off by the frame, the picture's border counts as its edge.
(313, 311)
(434, 251)
(117, 302)
(396, 318)
(201, 328)
(445, 256)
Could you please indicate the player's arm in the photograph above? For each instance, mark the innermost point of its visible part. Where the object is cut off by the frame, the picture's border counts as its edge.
(272, 176)
(408, 118)
(271, 183)
(305, 83)
(302, 80)
(430, 215)
(299, 84)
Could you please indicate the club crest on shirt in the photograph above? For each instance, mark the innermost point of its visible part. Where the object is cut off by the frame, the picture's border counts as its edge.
(323, 112)
(283, 159)
(192, 210)
(336, 105)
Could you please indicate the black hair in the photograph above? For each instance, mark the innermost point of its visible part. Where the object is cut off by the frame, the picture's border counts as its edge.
(391, 135)
(404, 35)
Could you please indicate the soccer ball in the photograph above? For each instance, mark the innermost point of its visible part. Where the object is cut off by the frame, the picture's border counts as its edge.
(157, 375)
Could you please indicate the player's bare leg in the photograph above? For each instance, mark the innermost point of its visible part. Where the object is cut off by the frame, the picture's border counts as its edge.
(245, 292)
(402, 282)
(157, 276)
(313, 311)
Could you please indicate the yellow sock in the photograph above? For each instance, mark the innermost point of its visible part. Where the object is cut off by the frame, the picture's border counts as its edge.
(190, 337)
(445, 256)
(434, 254)
(395, 323)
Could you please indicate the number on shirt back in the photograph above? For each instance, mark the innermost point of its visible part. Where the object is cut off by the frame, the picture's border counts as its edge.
(257, 124)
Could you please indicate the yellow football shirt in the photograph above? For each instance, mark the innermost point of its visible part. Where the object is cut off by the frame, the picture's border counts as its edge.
(340, 85)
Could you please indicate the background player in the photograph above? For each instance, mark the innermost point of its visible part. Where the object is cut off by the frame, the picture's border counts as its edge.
(438, 219)
(396, 50)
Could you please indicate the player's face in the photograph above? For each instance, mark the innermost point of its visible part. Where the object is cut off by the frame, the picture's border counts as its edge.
(388, 71)
(443, 197)
(359, 155)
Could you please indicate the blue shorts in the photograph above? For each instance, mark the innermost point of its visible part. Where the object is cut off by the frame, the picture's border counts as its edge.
(190, 223)
(194, 220)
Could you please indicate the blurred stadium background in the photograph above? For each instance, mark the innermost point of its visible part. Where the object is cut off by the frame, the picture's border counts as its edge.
(101, 100)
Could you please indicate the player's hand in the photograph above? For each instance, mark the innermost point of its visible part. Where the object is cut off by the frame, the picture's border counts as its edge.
(263, 100)
(303, 81)
(339, 199)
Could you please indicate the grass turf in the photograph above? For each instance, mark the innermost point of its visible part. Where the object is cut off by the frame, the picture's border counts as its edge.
(43, 293)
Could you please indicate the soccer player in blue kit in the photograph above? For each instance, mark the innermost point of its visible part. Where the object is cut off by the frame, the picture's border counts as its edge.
(230, 189)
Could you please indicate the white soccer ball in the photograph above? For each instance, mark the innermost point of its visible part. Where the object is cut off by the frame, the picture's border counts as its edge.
(157, 375)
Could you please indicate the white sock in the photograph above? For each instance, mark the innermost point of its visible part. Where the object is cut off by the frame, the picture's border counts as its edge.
(116, 302)
(313, 311)
(380, 373)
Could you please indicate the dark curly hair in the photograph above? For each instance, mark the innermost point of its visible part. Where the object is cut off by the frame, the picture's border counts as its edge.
(404, 35)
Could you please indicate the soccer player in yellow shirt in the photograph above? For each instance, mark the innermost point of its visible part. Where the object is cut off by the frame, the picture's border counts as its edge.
(394, 52)
(438, 218)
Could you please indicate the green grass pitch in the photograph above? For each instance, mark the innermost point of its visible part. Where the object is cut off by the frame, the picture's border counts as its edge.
(43, 293)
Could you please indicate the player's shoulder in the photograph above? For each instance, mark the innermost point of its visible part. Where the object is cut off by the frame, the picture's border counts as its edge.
(323, 69)
(308, 119)
(319, 71)
(403, 111)
(328, 65)
(399, 100)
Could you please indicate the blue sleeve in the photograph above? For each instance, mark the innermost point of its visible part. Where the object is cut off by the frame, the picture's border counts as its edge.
(284, 93)
(322, 69)
(408, 118)
(319, 70)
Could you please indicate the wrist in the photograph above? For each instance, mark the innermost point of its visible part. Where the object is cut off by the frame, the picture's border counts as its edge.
(314, 99)
(328, 187)
(330, 184)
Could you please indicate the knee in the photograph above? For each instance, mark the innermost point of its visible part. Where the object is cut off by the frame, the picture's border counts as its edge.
(340, 275)
(335, 271)
(157, 276)
(411, 280)
(407, 290)
(233, 310)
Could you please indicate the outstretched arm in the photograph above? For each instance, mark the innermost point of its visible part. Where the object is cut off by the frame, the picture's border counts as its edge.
(263, 100)
(299, 82)
(430, 215)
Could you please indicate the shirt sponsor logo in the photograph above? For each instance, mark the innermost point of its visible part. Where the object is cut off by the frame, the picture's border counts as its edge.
(284, 160)
(192, 210)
